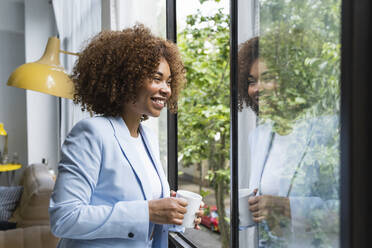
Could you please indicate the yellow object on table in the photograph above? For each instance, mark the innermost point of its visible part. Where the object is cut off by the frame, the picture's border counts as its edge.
(9, 167)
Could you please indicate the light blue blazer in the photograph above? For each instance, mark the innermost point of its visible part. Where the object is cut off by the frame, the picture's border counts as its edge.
(100, 198)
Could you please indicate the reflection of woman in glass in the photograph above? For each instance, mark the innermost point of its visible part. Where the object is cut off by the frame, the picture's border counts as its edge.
(297, 201)
(111, 190)
(248, 88)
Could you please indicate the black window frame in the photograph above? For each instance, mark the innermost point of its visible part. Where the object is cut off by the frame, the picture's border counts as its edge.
(175, 239)
(356, 40)
(355, 159)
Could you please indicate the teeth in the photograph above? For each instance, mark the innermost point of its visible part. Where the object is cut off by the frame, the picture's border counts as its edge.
(158, 101)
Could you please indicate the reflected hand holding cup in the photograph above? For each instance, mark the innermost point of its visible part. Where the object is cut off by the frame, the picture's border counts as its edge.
(275, 210)
(245, 215)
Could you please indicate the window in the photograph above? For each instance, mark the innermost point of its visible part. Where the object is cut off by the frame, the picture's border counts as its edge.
(297, 129)
(289, 123)
(204, 115)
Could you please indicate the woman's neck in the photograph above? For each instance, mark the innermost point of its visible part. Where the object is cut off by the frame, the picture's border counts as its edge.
(132, 121)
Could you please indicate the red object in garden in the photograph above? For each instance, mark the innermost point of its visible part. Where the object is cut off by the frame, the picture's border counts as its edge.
(210, 218)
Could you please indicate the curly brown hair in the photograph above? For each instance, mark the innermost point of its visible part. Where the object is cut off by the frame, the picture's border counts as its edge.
(247, 55)
(115, 64)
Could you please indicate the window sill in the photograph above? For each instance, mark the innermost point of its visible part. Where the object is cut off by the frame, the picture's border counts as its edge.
(178, 240)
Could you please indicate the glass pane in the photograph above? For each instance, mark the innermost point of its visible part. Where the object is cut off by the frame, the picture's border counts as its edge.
(288, 122)
(204, 115)
(152, 14)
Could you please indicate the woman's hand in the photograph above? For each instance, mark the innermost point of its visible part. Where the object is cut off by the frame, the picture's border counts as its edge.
(167, 210)
(264, 207)
(198, 214)
(274, 209)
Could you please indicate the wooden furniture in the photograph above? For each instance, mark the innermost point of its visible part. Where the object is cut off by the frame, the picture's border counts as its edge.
(9, 169)
(31, 214)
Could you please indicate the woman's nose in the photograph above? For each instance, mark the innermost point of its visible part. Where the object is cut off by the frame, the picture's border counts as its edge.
(255, 87)
(165, 89)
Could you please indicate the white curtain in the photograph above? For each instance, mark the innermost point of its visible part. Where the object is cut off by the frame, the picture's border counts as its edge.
(77, 22)
(152, 14)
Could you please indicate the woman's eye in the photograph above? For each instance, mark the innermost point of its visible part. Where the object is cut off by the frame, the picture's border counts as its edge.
(157, 79)
(251, 80)
(169, 82)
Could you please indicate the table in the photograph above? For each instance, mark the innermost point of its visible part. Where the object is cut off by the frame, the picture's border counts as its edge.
(10, 168)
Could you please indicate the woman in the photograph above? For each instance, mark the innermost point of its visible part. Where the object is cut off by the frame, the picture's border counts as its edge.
(111, 190)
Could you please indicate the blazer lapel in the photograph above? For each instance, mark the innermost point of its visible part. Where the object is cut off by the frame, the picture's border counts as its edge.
(150, 144)
(122, 135)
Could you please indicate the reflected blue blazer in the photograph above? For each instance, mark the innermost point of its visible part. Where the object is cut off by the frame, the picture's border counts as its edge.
(100, 196)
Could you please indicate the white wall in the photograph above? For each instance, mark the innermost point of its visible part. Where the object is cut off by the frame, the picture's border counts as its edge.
(42, 109)
(12, 100)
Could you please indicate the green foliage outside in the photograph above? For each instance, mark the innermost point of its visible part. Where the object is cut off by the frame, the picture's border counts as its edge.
(300, 44)
(204, 111)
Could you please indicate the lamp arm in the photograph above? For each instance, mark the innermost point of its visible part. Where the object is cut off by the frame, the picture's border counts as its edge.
(70, 53)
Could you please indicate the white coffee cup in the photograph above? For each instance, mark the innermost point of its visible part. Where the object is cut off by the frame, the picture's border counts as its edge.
(193, 205)
(245, 215)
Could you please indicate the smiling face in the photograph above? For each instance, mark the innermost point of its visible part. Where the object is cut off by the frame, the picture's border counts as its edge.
(260, 82)
(153, 95)
(253, 88)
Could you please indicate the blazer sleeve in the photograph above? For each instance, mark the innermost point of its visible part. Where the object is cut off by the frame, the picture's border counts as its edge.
(71, 215)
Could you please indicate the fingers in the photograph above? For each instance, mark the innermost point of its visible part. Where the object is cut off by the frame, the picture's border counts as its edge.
(256, 214)
(200, 213)
(173, 193)
(254, 208)
(253, 200)
(181, 202)
(177, 216)
(176, 221)
(259, 219)
(179, 206)
(197, 221)
(259, 214)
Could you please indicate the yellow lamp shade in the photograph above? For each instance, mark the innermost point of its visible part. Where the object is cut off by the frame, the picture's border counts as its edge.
(45, 75)
(2, 130)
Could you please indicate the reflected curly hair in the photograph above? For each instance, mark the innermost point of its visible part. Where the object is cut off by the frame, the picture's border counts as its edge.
(248, 53)
(115, 64)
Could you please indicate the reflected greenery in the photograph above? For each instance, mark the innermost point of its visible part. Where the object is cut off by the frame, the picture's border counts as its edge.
(300, 45)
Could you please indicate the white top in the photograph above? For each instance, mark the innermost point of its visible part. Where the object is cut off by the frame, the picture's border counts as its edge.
(153, 176)
(279, 169)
